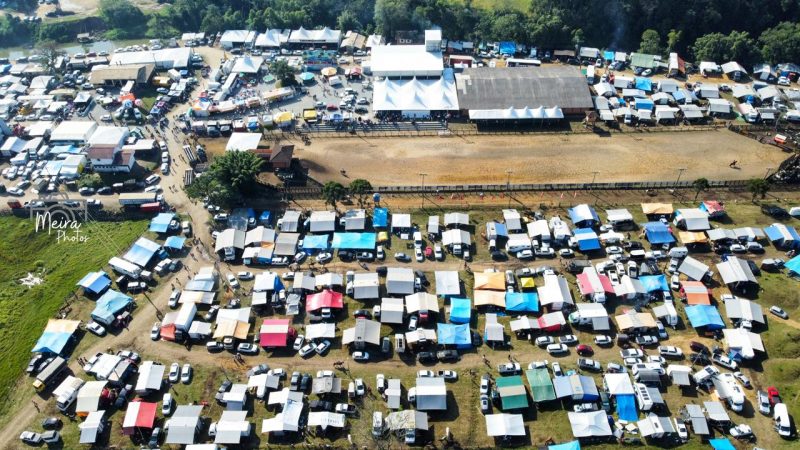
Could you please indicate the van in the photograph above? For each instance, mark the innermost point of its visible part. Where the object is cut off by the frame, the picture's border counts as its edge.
(186, 226)
(417, 239)
(377, 424)
(678, 252)
(399, 343)
(781, 417)
(637, 254)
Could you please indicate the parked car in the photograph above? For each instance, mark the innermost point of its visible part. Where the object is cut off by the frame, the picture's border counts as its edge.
(232, 281)
(95, 328)
(447, 355)
(166, 404)
(670, 351)
(361, 356)
(569, 339)
(555, 349)
(603, 340)
(631, 353)
(51, 423)
(322, 347)
(425, 357)
(245, 276)
(402, 257)
(186, 373)
(174, 372)
(778, 311)
(486, 384)
(723, 360)
(345, 408)
(155, 332)
(543, 341)
(589, 364)
(31, 438)
(584, 350)
(764, 405)
(247, 348)
(509, 368)
(646, 340)
(324, 257)
(214, 346)
(742, 379)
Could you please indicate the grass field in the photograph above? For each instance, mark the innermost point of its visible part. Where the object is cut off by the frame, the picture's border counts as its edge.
(24, 311)
(520, 5)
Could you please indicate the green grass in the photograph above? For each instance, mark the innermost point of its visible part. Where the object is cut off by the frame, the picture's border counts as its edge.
(520, 5)
(24, 311)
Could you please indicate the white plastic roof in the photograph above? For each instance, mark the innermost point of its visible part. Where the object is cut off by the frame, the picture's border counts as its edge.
(405, 60)
(447, 282)
(526, 113)
(505, 425)
(415, 95)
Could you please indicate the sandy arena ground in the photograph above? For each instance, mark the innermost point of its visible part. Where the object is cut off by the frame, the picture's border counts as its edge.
(539, 158)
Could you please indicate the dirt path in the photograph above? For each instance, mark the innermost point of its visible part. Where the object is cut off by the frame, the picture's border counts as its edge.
(539, 158)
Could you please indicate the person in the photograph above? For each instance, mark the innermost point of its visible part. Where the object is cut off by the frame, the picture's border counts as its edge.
(733, 164)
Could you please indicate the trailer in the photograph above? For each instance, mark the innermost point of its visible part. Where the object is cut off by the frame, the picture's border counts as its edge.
(136, 198)
(50, 373)
(125, 267)
(67, 392)
(190, 154)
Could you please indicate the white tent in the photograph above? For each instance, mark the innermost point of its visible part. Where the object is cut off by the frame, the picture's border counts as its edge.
(512, 219)
(320, 330)
(365, 286)
(555, 292)
(735, 271)
(589, 424)
(92, 427)
(693, 219)
(393, 393)
(400, 221)
(744, 342)
(399, 280)
(739, 308)
(407, 420)
(392, 310)
(693, 268)
(447, 283)
(618, 384)
(304, 280)
(232, 426)
(151, 375)
(456, 236)
(325, 419)
(328, 279)
(323, 221)
(364, 331)
(421, 301)
(89, 397)
(505, 425)
(539, 229)
(183, 424)
(456, 219)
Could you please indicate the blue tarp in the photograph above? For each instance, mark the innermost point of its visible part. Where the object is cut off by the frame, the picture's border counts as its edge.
(452, 334)
(175, 242)
(574, 445)
(589, 388)
(608, 55)
(460, 310)
(500, 229)
(507, 48)
(160, 223)
(644, 104)
(522, 301)
(353, 241)
(645, 84)
(721, 444)
(704, 316)
(793, 265)
(109, 305)
(380, 217)
(678, 96)
(583, 216)
(653, 283)
(658, 233)
(626, 407)
(95, 282)
(316, 242)
(776, 235)
(142, 252)
(265, 217)
(587, 239)
(50, 342)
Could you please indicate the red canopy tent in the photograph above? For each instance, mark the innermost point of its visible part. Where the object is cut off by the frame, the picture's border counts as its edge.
(324, 299)
(276, 333)
(168, 332)
(139, 415)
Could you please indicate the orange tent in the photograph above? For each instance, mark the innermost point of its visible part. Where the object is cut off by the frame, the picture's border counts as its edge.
(695, 293)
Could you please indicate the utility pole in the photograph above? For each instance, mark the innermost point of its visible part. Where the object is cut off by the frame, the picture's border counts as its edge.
(680, 172)
(769, 169)
(508, 185)
(594, 175)
(423, 175)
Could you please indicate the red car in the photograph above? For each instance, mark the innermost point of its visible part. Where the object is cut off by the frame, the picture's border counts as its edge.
(584, 350)
(774, 396)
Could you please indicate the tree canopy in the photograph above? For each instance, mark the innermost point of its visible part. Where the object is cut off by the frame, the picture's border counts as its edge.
(230, 177)
(283, 72)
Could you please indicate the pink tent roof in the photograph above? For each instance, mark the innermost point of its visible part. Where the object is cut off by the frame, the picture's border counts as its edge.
(324, 299)
(139, 415)
(275, 332)
(585, 285)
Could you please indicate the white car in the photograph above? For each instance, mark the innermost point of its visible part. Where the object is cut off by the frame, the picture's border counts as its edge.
(438, 253)
(543, 341)
(151, 179)
(173, 298)
(419, 255)
(555, 349)
(174, 372)
(670, 351)
(186, 373)
(324, 257)
(425, 374)
(153, 189)
(155, 332)
(603, 340)
(631, 353)
(298, 342)
(680, 428)
(166, 406)
(656, 359)
(361, 388)
(675, 282)
(525, 254)
(614, 250)
(96, 328)
(232, 281)
(245, 276)
(306, 350)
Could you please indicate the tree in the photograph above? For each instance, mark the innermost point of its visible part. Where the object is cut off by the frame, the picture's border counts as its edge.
(758, 187)
(230, 177)
(283, 72)
(673, 40)
(699, 185)
(213, 19)
(348, 20)
(781, 43)
(651, 43)
(736, 46)
(332, 192)
(361, 189)
(122, 17)
(92, 180)
(50, 51)
(392, 16)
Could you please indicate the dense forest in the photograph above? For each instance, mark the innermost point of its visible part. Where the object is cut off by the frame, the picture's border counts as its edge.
(745, 30)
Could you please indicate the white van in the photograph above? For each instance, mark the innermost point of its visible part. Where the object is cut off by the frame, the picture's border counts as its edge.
(399, 343)
(678, 252)
(781, 417)
(377, 424)
(417, 239)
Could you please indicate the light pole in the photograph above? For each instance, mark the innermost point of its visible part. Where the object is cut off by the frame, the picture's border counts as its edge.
(680, 172)
(769, 169)
(508, 185)
(423, 175)
(594, 175)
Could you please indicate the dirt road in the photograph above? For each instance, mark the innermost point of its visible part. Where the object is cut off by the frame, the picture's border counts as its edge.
(539, 158)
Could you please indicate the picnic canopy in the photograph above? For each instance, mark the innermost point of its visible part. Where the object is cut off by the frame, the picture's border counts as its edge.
(693, 268)
(90, 427)
(275, 332)
(653, 283)
(324, 299)
(782, 236)
(696, 293)
(589, 424)
(56, 336)
(431, 394)
(736, 271)
(505, 425)
(658, 233)
(721, 444)
(460, 310)
(183, 425)
(522, 301)
(626, 407)
(574, 445)
(453, 334)
(541, 385)
(742, 344)
(793, 265)
(139, 415)
(109, 305)
(315, 242)
(657, 209)
(174, 242)
(142, 251)
(160, 223)
(692, 237)
(483, 298)
(95, 282)
(380, 217)
(704, 316)
(392, 310)
(354, 241)
(447, 283)
(583, 216)
(490, 280)
(587, 239)
(512, 392)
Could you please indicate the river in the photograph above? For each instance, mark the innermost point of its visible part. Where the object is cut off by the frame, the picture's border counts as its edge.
(71, 48)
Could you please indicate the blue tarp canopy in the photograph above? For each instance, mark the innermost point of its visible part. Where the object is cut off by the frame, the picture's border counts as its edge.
(721, 444)
(111, 303)
(353, 241)
(142, 251)
(652, 283)
(522, 301)
(500, 229)
(160, 223)
(645, 84)
(704, 316)
(608, 55)
(644, 103)
(583, 216)
(454, 334)
(95, 282)
(587, 239)
(793, 265)
(51, 342)
(265, 217)
(460, 310)
(658, 233)
(200, 285)
(626, 407)
(508, 48)
(678, 96)
(175, 242)
(574, 445)
(316, 242)
(380, 217)
(782, 234)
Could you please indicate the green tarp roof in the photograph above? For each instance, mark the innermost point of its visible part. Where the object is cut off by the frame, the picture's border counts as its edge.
(541, 385)
(643, 60)
(512, 392)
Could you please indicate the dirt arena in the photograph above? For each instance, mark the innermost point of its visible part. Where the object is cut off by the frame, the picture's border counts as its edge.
(539, 158)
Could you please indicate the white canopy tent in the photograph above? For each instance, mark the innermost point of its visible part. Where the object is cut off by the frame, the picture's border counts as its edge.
(505, 425)
(447, 283)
